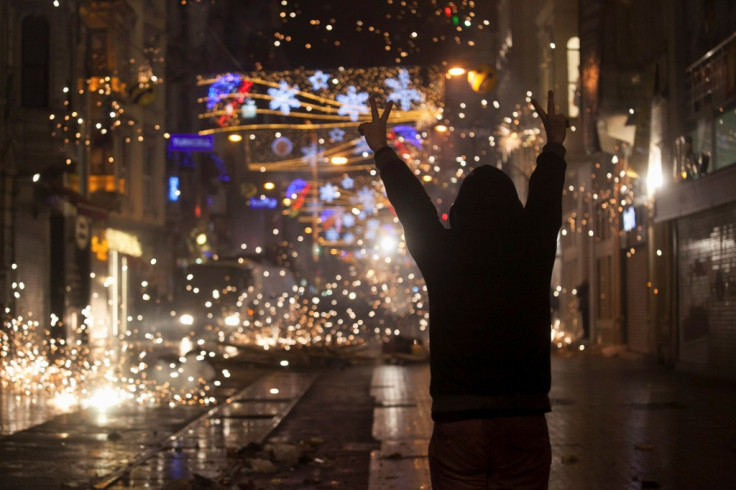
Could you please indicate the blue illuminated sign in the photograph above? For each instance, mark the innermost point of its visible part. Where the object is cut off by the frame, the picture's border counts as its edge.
(191, 142)
(629, 219)
(174, 189)
(263, 202)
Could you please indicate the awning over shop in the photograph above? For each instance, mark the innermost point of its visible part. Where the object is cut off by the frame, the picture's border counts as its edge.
(84, 205)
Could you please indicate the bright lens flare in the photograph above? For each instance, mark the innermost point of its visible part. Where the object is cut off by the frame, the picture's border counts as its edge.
(104, 398)
(388, 244)
(65, 401)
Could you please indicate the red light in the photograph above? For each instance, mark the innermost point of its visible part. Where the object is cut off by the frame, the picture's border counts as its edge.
(448, 11)
(444, 217)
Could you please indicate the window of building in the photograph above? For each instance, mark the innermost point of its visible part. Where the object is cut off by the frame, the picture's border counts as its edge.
(725, 142)
(34, 91)
(99, 62)
(147, 180)
(604, 300)
(573, 75)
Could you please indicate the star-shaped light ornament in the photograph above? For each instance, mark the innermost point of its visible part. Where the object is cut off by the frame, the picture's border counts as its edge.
(361, 147)
(337, 134)
(347, 182)
(319, 80)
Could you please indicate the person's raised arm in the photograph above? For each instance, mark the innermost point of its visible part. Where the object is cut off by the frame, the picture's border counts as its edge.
(544, 202)
(414, 208)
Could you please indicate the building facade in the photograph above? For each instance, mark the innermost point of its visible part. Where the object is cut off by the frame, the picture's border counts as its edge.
(83, 162)
(646, 247)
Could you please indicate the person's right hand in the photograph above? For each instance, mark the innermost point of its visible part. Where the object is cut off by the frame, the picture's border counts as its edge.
(555, 125)
(375, 131)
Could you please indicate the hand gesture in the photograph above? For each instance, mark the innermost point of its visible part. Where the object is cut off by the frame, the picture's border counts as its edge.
(375, 131)
(555, 125)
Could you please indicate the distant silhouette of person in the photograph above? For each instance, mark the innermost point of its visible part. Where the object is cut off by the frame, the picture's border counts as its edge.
(583, 294)
(488, 280)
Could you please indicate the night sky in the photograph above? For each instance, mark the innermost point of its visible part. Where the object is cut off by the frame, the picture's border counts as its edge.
(283, 34)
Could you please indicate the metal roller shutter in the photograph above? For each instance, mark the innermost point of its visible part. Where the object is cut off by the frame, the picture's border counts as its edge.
(707, 287)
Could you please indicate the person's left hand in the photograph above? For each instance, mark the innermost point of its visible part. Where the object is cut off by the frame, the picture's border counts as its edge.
(375, 131)
(555, 125)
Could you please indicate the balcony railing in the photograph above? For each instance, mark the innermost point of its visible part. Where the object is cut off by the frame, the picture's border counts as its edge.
(710, 79)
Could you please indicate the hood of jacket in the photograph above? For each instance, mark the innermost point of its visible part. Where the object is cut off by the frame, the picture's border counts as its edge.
(486, 203)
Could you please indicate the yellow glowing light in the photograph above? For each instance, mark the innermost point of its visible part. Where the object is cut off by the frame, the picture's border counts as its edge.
(104, 398)
(456, 71)
(65, 401)
(440, 128)
(338, 160)
(201, 239)
(269, 185)
(235, 138)
(186, 344)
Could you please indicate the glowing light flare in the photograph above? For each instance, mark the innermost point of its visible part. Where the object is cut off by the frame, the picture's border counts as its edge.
(105, 397)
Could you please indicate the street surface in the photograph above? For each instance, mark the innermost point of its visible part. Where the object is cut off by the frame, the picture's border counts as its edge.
(616, 423)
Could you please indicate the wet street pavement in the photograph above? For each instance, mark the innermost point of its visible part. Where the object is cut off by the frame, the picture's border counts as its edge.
(617, 423)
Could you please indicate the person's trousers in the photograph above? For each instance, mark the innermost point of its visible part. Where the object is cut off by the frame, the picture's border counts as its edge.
(495, 453)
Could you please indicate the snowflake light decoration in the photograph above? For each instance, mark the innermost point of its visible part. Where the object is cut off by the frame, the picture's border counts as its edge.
(352, 103)
(328, 193)
(332, 235)
(371, 228)
(400, 91)
(319, 80)
(310, 152)
(348, 220)
(283, 98)
(366, 198)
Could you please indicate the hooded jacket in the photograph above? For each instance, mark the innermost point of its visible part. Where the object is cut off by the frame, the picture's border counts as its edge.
(488, 278)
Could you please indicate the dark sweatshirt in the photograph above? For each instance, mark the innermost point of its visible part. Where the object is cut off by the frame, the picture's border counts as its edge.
(488, 278)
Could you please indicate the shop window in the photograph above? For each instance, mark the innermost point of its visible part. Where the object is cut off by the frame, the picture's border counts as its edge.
(34, 62)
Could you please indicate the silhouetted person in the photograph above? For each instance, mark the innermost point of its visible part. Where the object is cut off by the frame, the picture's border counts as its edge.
(583, 294)
(488, 278)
